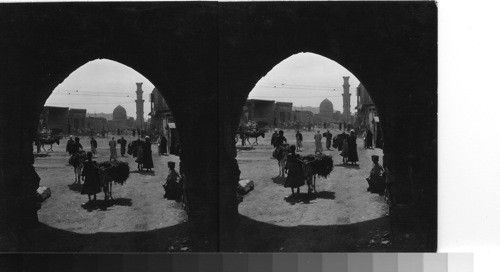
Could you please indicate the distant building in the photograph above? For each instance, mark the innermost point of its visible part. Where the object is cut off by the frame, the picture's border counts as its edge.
(97, 123)
(367, 115)
(283, 112)
(54, 118)
(76, 119)
(259, 111)
(326, 113)
(120, 119)
(303, 117)
(62, 118)
(119, 113)
(162, 121)
(161, 115)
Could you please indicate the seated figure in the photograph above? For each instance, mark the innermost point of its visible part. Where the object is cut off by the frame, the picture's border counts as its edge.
(376, 183)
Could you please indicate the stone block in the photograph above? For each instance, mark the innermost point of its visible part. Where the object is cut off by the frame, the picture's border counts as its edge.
(245, 186)
(43, 193)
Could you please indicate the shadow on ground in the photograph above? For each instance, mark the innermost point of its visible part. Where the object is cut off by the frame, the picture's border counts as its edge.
(76, 187)
(279, 180)
(103, 205)
(353, 166)
(306, 198)
(144, 173)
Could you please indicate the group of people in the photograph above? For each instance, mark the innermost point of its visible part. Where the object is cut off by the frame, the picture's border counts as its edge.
(345, 143)
(142, 151)
(173, 186)
(278, 138)
(73, 146)
(348, 147)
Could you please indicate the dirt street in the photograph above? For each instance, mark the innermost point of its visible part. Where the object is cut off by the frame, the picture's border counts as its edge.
(342, 216)
(138, 209)
(330, 220)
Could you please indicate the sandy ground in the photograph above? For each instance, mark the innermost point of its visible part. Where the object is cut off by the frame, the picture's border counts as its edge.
(341, 201)
(138, 205)
(342, 216)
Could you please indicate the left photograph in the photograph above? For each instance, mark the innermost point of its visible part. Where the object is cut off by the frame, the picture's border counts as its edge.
(97, 103)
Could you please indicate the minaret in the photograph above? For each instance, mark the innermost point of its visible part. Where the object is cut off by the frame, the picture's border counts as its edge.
(347, 101)
(139, 105)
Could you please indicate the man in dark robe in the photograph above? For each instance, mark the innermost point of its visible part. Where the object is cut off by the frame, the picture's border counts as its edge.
(123, 145)
(38, 142)
(273, 138)
(353, 151)
(69, 145)
(280, 140)
(328, 135)
(369, 139)
(93, 146)
(242, 135)
(163, 145)
(148, 155)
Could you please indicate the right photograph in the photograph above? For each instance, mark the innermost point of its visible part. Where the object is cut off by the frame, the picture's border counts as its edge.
(328, 120)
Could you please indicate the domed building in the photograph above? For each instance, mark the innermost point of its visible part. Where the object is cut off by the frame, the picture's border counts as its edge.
(120, 120)
(326, 107)
(326, 113)
(119, 113)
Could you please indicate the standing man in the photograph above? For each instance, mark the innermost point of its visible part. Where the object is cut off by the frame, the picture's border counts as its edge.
(274, 137)
(148, 155)
(299, 138)
(38, 142)
(163, 145)
(76, 146)
(280, 140)
(112, 149)
(123, 145)
(242, 135)
(317, 139)
(328, 137)
(93, 146)
(368, 139)
(353, 153)
(69, 145)
(133, 132)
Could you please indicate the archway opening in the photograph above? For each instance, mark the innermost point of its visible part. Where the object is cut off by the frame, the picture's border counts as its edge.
(108, 106)
(304, 96)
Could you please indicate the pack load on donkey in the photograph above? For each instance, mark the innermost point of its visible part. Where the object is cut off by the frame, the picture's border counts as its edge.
(316, 165)
(112, 171)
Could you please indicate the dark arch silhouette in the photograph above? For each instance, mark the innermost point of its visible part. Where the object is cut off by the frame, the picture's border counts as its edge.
(204, 58)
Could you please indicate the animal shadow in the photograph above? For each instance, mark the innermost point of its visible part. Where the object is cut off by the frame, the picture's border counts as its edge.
(103, 205)
(306, 198)
(75, 187)
(279, 180)
(353, 166)
(144, 173)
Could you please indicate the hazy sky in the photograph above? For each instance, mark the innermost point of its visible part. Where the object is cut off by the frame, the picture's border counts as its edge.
(304, 79)
(100, 86)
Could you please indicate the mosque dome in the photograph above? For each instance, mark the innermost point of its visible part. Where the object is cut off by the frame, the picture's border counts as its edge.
(119, 113)
(326, 107)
